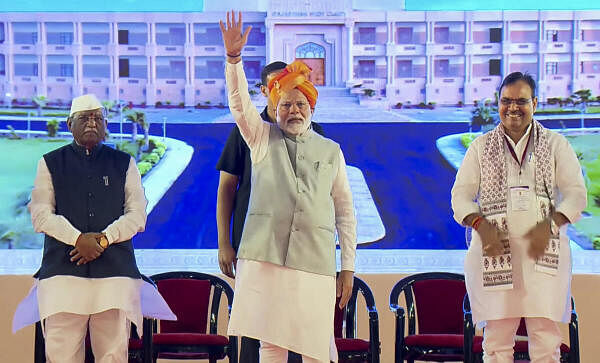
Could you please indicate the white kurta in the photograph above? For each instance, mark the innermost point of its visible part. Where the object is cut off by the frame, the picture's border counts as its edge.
(283, 306)
(534, 294)
(64, 293)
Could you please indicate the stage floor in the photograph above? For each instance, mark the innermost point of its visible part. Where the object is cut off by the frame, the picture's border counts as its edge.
(368, 261)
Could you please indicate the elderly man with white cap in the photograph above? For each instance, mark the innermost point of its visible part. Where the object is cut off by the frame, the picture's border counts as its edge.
(89, 202)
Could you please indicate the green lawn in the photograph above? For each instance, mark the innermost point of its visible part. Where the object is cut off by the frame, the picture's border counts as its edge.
(19, 165)
(17, 173)
(587, 148)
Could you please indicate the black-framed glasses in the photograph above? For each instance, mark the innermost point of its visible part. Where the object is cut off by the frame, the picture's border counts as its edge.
(519, 101)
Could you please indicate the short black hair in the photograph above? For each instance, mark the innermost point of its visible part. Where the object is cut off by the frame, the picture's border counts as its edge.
(514, 77)
(270, 68)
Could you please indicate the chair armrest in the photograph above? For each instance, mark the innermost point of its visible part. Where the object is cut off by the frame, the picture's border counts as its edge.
(374, 343)
(148, 330)
(398, 310)
(468, 336)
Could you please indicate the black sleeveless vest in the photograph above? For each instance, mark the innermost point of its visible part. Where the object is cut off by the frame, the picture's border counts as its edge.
(90, 193)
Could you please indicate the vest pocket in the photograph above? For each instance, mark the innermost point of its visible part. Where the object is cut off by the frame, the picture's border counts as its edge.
(260, 214)
(327, 228)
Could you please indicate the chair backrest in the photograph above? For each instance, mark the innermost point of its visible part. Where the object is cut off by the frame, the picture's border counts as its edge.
(189, 297)
(346, 317)
(433, 300)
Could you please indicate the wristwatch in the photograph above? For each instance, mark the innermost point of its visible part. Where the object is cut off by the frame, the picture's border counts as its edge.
(102, 241)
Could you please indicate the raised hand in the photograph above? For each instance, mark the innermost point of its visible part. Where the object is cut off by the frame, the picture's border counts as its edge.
(233, 39)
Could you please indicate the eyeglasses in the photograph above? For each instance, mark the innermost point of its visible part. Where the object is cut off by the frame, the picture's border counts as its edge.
(288, 105)
(91, 117)
(518, 101)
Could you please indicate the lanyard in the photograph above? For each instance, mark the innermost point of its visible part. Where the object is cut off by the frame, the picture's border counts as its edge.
(514, 155)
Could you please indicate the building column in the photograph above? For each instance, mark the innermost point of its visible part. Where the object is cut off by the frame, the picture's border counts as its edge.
(151, 64)
(78, 59)
(575, 82)
(468, 81)
(42, 87)
(270, 38)
(430, 65)
(349, 30)
(189, 96)
(389, 52)
(9, 92)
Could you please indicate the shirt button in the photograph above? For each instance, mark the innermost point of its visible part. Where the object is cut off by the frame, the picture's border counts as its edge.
(91, 214)
(90, 194)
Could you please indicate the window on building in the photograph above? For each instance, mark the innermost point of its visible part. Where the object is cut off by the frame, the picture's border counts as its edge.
(404, 69)
(123, 36)
(404, 35)
(495, 35)
(442, 35)
(310, 50)
(366, 69)
(96, 66)
(2, 32)
(25, 33)
(552, 35)
(551, 67)
(170, 34)
(367, 35)
(2, 65)
(207, 34)
(257, 35)
(442, 68)
(59, 66)
(65, 38)
(95, 33)
(495, 67)
(252, 69)
(66, 70)
(170, 68)
(25, 65)
(132, 33)
(123, 67)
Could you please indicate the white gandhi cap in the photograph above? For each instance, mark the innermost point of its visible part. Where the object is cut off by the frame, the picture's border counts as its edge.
(84, 103)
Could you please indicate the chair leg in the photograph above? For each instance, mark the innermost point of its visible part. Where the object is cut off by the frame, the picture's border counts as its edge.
(40, 347)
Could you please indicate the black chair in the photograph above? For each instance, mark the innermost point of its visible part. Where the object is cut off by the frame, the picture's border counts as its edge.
(474, 344)
(189, 297)
(434, 303)
(351, 349)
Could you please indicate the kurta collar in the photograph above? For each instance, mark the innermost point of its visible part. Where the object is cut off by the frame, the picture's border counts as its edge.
(522, 139)
(82, 151)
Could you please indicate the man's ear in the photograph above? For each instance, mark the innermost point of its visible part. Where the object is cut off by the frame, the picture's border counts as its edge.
(69, 122)
(264, 90)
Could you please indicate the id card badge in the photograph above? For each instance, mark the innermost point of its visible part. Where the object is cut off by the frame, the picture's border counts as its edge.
(520, 198)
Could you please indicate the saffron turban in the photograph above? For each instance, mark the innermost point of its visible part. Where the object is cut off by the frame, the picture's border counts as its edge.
(295, 75)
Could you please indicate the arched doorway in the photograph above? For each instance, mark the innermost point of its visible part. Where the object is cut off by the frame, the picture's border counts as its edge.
(314, 56)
